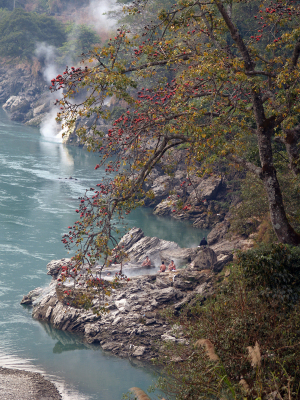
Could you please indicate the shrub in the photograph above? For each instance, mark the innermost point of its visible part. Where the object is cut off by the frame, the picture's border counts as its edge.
(236, 324)
(273, 270)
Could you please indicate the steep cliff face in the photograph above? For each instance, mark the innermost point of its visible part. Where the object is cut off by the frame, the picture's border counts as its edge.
(24, 94)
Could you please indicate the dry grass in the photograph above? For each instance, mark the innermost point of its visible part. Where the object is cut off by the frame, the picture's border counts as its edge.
(209, 348)
(139, 394)
(254, 355)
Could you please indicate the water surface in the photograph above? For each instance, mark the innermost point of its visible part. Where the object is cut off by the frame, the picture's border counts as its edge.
(40, 182)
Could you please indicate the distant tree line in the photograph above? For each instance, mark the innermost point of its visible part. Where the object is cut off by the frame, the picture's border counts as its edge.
(20, 31)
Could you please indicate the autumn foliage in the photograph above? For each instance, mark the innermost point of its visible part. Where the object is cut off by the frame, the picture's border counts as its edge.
(214, 83)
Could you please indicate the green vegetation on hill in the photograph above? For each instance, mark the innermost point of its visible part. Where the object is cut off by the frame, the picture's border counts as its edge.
(42, 5)
(20, 31)
(81, 39)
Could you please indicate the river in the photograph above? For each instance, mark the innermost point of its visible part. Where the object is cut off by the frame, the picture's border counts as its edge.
(40, 182)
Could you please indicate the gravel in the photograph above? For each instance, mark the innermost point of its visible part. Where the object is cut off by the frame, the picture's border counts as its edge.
(23, 385)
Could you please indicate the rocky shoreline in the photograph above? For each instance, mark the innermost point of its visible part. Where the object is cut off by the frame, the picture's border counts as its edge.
(134, 326)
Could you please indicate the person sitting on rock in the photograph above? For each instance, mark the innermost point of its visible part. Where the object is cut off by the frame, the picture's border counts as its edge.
(172, 266)
(162, 268)
(147, 262)
(203, 242)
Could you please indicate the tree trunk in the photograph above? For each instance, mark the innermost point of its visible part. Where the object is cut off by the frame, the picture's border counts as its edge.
(265, 131)
(284, 231)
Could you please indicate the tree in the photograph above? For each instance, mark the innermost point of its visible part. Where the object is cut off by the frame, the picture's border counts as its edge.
(216, 82)
(81, 39)
(20, 31)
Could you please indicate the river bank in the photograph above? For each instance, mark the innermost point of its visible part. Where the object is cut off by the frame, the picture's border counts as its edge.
(134, 325)
(16, 385)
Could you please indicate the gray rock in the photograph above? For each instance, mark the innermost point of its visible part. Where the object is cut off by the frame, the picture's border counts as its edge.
(36, 121)
(166, 295)
(109, 346)
(184, 285)
(218, 232)
(123, 305)
(54, 266)
(222, 260)
(131, 237)
(205, 259)
(139, 351)
(91, 329)
(150, 246)
(168, 338)
(207, 189)
(16, 103)
(31, 296)
(166, 206)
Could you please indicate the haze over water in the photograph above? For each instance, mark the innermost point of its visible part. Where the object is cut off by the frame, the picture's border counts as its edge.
(36, 207)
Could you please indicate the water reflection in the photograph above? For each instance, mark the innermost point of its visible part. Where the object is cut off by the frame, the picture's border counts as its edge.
(66, 341)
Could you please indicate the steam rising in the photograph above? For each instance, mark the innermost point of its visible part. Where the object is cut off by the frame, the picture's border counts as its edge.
(47, 55)
(98, 10)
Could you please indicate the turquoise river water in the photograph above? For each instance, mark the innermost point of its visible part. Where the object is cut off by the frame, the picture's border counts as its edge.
(37, 203)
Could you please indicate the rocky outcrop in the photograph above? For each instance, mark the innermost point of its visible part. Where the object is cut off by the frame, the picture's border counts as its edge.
(24, 94)
(188, 197)
(134, 325)
(137, 246)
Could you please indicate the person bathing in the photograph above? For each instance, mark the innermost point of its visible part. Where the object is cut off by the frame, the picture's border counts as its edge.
(172, 266)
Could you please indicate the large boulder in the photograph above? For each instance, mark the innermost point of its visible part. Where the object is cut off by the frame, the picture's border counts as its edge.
(166, 206)
(207, 189)
(17, 103)
(151, 247)
(205, 259)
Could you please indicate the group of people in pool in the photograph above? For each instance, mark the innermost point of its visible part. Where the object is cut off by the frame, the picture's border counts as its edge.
(162, 268)
(171, 266)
